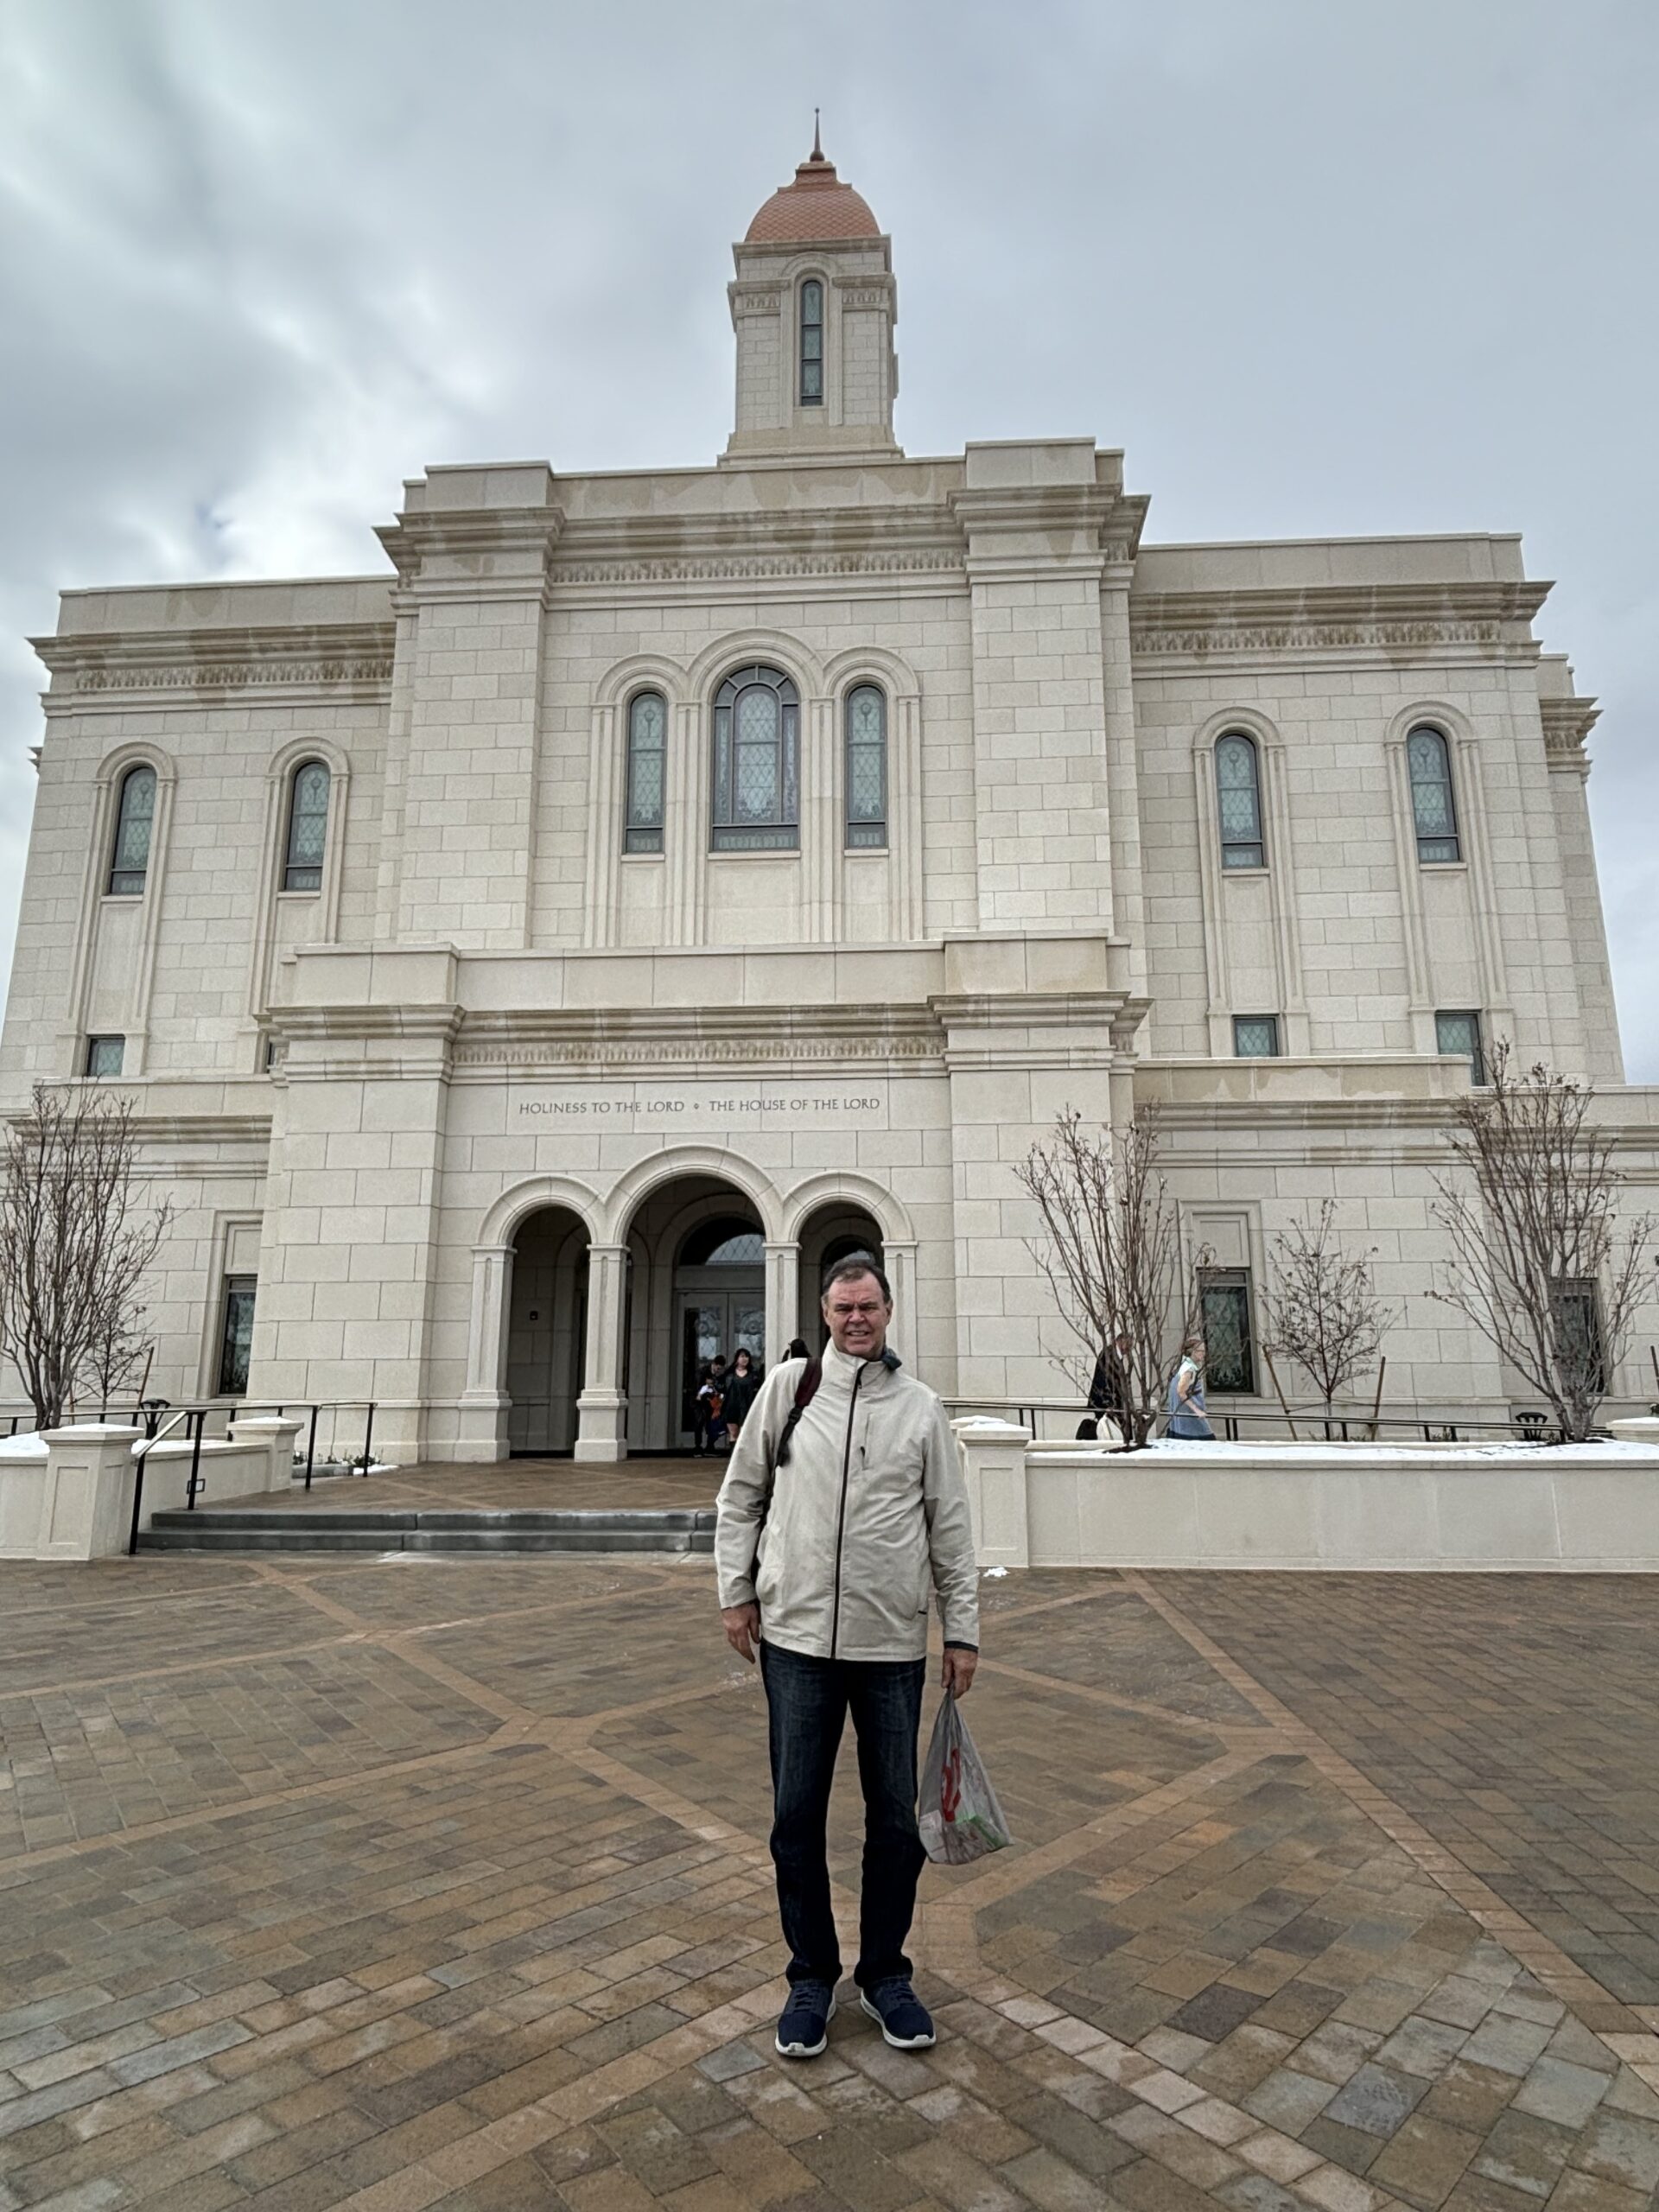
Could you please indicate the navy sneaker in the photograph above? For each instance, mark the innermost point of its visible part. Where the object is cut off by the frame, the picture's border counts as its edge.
(904, 2019)
(803, 2029)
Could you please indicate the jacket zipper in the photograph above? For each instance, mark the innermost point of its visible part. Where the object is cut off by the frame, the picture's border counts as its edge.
(841, 1517)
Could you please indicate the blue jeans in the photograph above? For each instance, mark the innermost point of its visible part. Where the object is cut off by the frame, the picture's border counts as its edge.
(807, 1702)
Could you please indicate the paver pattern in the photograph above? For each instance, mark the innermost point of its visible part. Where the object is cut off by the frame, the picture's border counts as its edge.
(328, 1881)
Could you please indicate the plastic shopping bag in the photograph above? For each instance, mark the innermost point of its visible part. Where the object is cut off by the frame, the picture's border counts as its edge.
(957, 1812)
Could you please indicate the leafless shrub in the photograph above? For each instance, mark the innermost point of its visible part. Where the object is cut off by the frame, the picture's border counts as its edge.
(1323, 1309)
(1111, 1254)
(76, 1241)
(1539, 1264)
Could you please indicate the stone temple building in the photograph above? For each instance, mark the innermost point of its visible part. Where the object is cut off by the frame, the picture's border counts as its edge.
(532, 961)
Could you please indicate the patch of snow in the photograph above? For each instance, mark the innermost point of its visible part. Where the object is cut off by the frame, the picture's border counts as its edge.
(28, 1446)
(993, 1573)
(1286, 1455)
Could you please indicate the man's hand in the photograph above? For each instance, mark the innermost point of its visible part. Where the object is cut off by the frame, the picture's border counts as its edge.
(742, 1627)
(958, 1675)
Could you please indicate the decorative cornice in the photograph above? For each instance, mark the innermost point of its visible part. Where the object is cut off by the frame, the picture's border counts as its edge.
(505, 548)
(1383, 618)
(1567, 723)
(357, 654)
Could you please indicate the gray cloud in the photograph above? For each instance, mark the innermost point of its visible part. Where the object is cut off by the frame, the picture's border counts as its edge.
(1320, 271)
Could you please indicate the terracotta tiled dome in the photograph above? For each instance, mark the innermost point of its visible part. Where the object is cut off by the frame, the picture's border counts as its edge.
(817, 206)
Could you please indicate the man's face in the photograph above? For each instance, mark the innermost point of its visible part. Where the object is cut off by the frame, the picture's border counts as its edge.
(858, 1316)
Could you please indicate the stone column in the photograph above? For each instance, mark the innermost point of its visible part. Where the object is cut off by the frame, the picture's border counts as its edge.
(485, 1404)
(783, 1299)
(899, 1261)
(602, 1408)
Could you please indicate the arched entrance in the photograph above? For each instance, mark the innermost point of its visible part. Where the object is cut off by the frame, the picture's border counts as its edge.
(834, 1231)
(547, 1331)
(697, 1267)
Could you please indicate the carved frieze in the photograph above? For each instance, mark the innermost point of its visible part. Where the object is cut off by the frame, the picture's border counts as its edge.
(233, 675)
(689, 1051)
(1315, 637)
(760, 568)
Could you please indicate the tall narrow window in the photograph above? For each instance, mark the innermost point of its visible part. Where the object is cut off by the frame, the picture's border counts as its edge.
(866, 766)
(757, 806)
(812, 343)
(1256, 1036)
(105, 1055)
(307, 828)
(1460, 1033)
(1229, 1350)
(1238, 797)
(1579, 1342)
(647, 760)
(1433, 810)
(134, 820)
(235, 1335)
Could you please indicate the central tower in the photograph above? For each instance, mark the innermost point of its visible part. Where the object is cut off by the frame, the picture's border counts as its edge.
(813, 306)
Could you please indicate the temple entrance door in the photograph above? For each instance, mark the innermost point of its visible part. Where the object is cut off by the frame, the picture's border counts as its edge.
(720, 1306)
(712, 1321)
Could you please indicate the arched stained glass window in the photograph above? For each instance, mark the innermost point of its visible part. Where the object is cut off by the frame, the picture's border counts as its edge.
(1433, 810)
(866, 766)
(1239, 800)
(307, 828)
(647, 779)
(757, 806)
(135, 823)
(812, 343)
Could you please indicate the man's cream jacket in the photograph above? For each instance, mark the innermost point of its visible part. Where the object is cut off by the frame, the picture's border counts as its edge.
(864, 1522)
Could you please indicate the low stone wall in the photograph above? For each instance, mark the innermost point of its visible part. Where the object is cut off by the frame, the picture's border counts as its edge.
(74, 1500)
(1523, 1509)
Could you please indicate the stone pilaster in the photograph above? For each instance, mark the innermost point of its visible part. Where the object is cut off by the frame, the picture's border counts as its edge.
(472, 548)
(1033, 516)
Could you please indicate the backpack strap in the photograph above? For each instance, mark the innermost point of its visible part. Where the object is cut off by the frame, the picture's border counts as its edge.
(806, 1390)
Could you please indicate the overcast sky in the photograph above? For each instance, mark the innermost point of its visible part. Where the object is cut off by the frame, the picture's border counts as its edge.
(1321, 268)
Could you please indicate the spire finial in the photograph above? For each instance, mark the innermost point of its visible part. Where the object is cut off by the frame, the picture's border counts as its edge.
(817, 149)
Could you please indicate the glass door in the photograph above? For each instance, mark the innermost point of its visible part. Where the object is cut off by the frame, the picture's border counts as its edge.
(713, 1321)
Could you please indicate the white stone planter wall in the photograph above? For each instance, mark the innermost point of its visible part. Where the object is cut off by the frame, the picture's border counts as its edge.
(73, 1501)
(1585, 1508)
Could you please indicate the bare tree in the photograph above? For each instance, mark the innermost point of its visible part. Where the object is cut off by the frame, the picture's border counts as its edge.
(1539, 1264)
(76, 1241)
(119, 1354)
(1323, 1309)
(1111, 1253)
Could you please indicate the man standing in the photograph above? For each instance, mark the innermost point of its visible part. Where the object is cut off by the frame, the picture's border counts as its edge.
(841, 1513)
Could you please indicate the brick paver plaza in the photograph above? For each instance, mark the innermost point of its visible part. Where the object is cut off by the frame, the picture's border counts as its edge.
(426, 1881)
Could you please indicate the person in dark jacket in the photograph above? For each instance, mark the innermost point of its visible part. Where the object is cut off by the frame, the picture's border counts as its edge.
(742, 1388)
(1109, 1389)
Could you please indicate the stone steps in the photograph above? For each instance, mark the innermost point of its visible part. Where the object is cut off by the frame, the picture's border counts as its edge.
(424, 1529)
